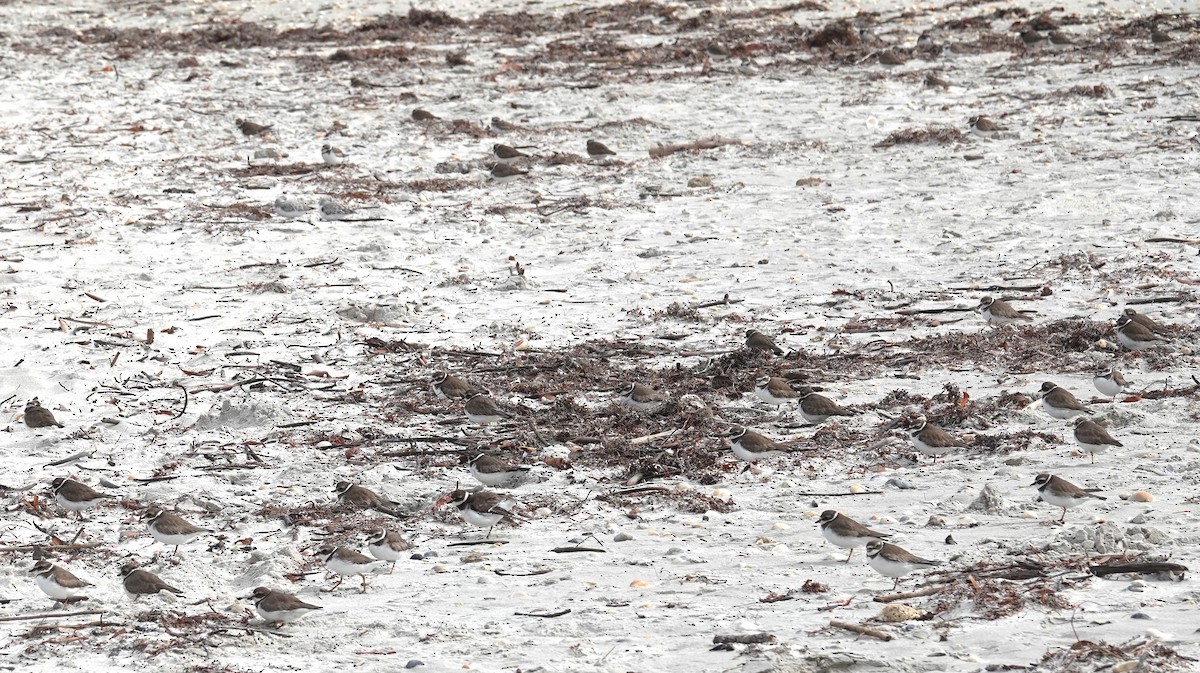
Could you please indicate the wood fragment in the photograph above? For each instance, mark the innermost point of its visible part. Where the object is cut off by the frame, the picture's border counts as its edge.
(703, 144)
(475, 543)
(540, 571)
(926, 591)
(51, 615)
(639, 441)
(1151, 567)
(50, 547)
(71, 458)
(744, 639)
(724, 301)
(1171, 239)
(836, 495)
(544, 615)
(1163, 299)
(862, 630)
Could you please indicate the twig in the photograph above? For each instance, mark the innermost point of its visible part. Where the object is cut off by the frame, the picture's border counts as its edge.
(1169, 239)
(1165, 299)
(638, 441)
(55, 547)
(567, 550)
(70, 459)
(545, 615)
(185, 401)
(702, 144)
(926, 591)
(474, 543)
(861, 630)
(272, 632)
(918, 311)
(51, 615)
(744, 639)
(724, 301)
(540, 571)
(836, 495)
(1117, 568)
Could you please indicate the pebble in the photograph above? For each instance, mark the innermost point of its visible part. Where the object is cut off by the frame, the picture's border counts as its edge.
(622, 537)
(897, 482)
(779, 525)
(440, 569)
(721, 494)
(1140, 615)
(857, 488)
(898, 612)
(639, 584)
(935, 521)
(674, 550)
(1142, 496)
(413, 663)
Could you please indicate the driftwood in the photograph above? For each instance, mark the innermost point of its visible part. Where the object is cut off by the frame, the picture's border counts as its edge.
(544, 615)
(703, 144)
(888, 598)
(835, 495)
(747, 639)
(540, 571)
(638, 441)
(863, 630)
(724, 301)
(1170, 239)
(1118, 568)
(919, 311)
(1163, 299)
(475, 543)
(71, 458)
(51, 615)
(48, 547)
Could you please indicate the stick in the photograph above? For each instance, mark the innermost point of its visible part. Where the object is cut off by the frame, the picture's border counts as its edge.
(57, 547)
(1159, 300)
(746, 639)
(473, 543)
(71, 458)
(638, 441)
(52, 615)
(888, 598)
(542, 571)
(1169, 239)
(567, 550)
(272, 632)
(861, 630)
(185, 401)
(702, 144)
(725, 301)
(836, 495)
(545, 615)
(918, 311)
(1117, 568)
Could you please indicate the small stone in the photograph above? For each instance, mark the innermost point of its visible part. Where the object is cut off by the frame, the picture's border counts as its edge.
(1140, 615)
(440, 569)
(622, 537)
(1126, 666)
(639, 584)
(721, 494)
(413, 663)
(701, 181)
(950, 540)
(779, 525)
(935, 521)
(857, 488)
(898, 483)
(474, 557)
(1141, 496)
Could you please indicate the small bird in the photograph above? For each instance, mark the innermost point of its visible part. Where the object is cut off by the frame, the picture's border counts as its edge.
(503, 126)
(891, 561)
(507, 152)
(37, 416)
(1032, 38)
(492, 471)
(57, 582)
(1145, 321)
(984, 126)
(347, 562)
(139, 582)
(502, 172)
(387, 545)
(292, 209)
(845, 532)
(279, 607)
(335, 211)
(1159, 36)
(74, 496)
(1135, 336)
(451, 387)
(332, 156)
(750, 446)
(360, 497)
(757, 341)
(420, 115)
(170, 528)
(481, 508)
(931, 440)
(1059, 402)
(1109, 382)
(641, 397)
(1062, 493)
(482, 409)
(933, 81)
(595, 148)
(999, 312)
(1060, 40)
(816, 408)
(252, 129)
(1093, 437)
(775, 390)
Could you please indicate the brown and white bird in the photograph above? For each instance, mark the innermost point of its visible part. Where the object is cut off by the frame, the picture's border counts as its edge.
(387, 545)
(507, 152)
(1145, 321)
(347, 562)
(1060, 40)
(757, 341)
(37, 416)
(641, 397)
(999, 312)
(482, 409)
(1136, 336)
(775, 390)
(360, 497)
(279, 607)
(983, 126)
(139, 582)
(481, 508)
(450, 387)
(845, 532)
(750, 446)
(491, 470)
(332, 156)
(895, 562)
(931, 440)
(74, 496)
(1059, 402)
(816, 408)
(252, 129)
(503, 172)
(1062, 493)
(595, 148)
(1109, 382)
(170, 528)
(419, 115)
(1093, 437)
(56, 581)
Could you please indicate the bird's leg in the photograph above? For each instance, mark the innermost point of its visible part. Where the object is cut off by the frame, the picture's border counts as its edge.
(489, 533)
(851, 554)
(1063, 519)
(393, 568)
(364, 583)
